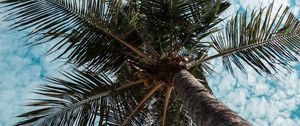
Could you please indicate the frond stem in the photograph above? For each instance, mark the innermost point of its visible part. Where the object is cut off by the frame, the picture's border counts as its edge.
(130, 46)
(243, 48)
(153, 90)
(104, 29)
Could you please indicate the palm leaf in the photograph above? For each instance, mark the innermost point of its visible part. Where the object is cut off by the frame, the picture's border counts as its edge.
(265, 41)
(89, 31)
(79, 101)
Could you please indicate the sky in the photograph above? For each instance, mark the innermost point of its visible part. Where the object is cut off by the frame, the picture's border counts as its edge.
(258, 99)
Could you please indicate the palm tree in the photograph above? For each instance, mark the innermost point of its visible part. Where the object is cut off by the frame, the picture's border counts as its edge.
(130, 56)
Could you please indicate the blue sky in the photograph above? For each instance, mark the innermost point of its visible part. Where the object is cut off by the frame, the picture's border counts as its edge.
(262, 101)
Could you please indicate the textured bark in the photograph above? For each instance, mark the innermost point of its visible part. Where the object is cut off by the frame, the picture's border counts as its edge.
(203, 107)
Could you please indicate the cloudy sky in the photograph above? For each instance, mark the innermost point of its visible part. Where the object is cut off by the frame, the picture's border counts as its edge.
(262, 101)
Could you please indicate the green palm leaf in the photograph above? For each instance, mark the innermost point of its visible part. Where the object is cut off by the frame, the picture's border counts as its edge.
(265, 41)
(79, 100)
(89, 31)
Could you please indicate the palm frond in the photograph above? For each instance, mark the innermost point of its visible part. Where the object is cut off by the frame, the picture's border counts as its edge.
(85, 99)
(265, 41)
(94, 30)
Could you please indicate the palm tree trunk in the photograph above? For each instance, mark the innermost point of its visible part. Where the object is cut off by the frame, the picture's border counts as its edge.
(203, 107)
